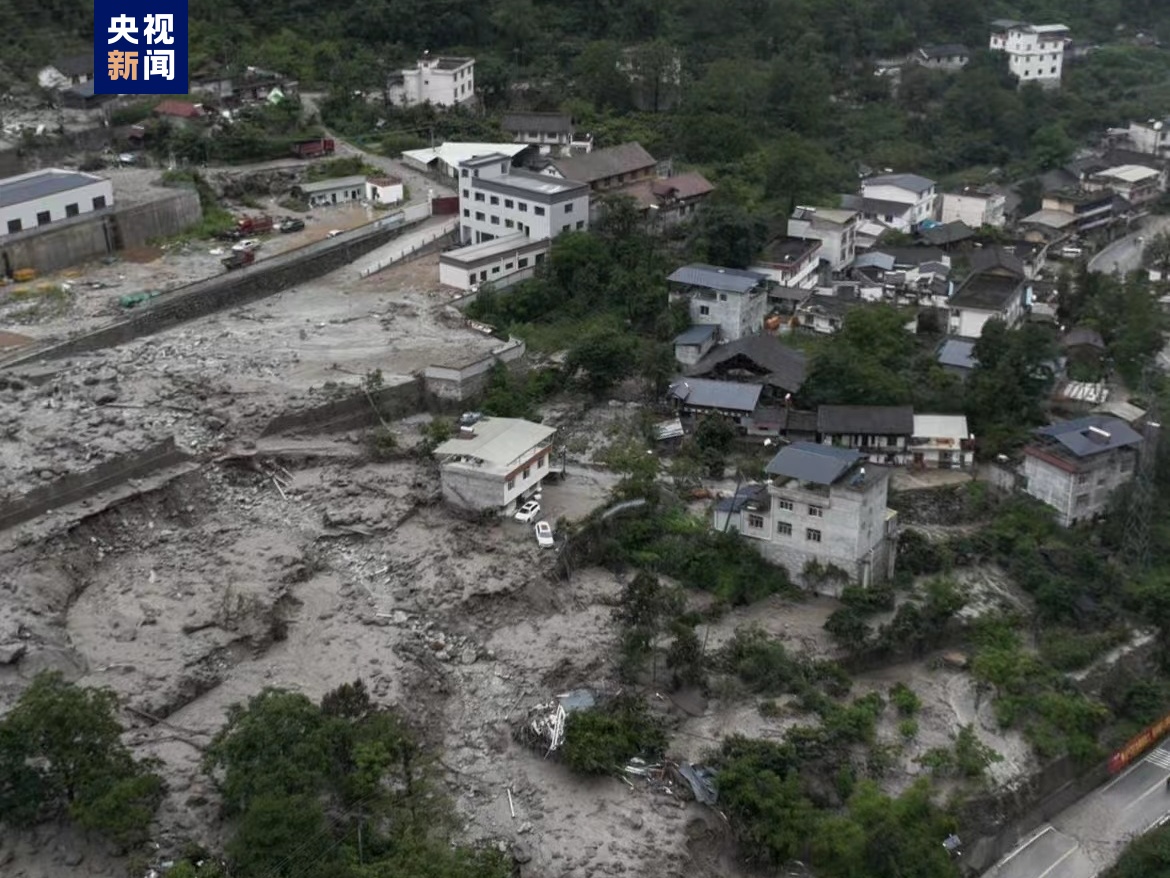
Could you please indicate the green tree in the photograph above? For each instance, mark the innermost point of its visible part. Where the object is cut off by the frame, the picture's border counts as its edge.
(1007, 388)
(605, 356)
(603, 739)
(726, 235)
(598, 76)
(684, 657)
(1157, 252)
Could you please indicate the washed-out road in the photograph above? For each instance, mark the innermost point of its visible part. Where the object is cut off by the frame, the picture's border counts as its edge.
(1125, 254)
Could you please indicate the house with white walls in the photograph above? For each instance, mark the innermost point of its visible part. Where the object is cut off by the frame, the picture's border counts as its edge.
(496, 199)
(439, 81)
(1035, 51)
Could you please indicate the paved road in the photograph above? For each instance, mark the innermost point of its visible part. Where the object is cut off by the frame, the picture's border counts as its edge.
(1089, 836)
(1125, 254)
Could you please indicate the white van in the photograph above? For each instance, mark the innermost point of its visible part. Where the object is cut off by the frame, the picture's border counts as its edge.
(1071, 252)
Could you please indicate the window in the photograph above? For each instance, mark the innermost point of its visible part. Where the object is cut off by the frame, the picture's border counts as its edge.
(522, 262)
(479, 215)
(13, 226)
(466, 192)
(495, 199)
(783, 528)
(538, 210)
(580, 224)
(466, 212)
(508, 202)
(569, 207)
(508, 224)
(503, 167)
(511, 484)
(786, 505)
(1082, 478)
(495, 220)
(508, 266)
(1082, 501)
(540, 461)
(523, 205)
(704, 310)
(813, 536)
(567, 227)
(479, 196)
(99, 202)
(464, 170)
(43, 218)
(723, 297)
(71, 210)
(496, 270)
(816, 512)
(756, 521)
(527, 471)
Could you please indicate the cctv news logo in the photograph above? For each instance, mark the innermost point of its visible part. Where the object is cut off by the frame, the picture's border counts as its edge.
(140, 48)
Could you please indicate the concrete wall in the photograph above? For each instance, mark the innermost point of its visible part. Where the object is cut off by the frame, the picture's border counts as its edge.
(449, 383)
(159, 218)
(264, 278)
(352, 412)
(78, 486)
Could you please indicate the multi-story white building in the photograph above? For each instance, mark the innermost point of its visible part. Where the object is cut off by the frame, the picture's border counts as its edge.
(821, 507)
(790, 262)
(1076, 466)
(443, 82)
(735, 300)
(1152, 137)
(1035, 51)
(1137, 184)
(836, 229)
(495, 463)
(496, 199)
(915, 192)
(48, 196)
(941, 442)
(974, 208)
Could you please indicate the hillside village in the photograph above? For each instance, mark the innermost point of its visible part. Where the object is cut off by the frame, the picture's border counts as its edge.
(669, 533)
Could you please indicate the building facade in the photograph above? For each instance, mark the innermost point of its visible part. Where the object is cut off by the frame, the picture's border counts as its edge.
(1137, 184)
(1075, 466)
(949, 58)
(495, 464)
(735, 300)
(693, 344)
(836, 229)
(973, 208)
(1035, 51)
(339, 190)
(500, 262)
(915, 192)
(1151, 138)
(48, 196)
(496, 199)
(941, 442)
(822, 507)
(606, 169)
(882, 432)
(385, 190)
(442, 82)
(790, 262)
(551, 133)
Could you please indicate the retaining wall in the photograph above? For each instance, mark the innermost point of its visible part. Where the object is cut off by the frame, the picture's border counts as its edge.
(453, 384)
(159, 218)
(353, 412)
(264, 278)
(78, 486)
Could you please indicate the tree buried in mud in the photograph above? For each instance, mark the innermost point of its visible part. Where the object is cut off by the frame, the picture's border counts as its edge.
(603, 739)
(61, 754)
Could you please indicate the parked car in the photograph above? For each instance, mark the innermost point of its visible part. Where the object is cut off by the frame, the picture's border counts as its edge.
(528, 511)
(333, 233)
(247, 245)
(544, 535)
(292, 225)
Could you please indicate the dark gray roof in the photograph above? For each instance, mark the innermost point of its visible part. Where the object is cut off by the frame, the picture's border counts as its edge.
(18, 190)
(986, 292)
(697, 334)
(742, 497)
(75, 65)
(789, 294)
(607, 162)
(948, 233)
(905, 257)
(948, 50)
(875, 206)
(785, 367)
(1091, 435)
(726, 395)
(875, 259)
(797, 421)
(523, 123)
(911, 182)
(810, 462)
(873, 420)
(1083, 336)
(731, 280)
(996, 258)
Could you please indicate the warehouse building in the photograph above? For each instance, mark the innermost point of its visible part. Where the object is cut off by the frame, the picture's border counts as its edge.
(48, 196)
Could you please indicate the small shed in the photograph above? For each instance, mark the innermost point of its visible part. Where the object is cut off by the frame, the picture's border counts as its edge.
(385, 190)
(692, 345)
(339, 190)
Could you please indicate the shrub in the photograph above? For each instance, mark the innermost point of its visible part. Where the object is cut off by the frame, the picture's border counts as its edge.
(603, 739)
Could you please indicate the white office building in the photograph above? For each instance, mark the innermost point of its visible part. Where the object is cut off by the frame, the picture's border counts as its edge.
(48, 196)
(496, 199)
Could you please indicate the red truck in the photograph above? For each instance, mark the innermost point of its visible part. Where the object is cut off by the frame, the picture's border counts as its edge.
(254, 225)
(312, 149)
(239, 259)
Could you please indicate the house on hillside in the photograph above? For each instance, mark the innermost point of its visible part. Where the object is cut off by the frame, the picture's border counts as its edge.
(997, 288)
(550, 133)
(1085, 351)
(735, 300)
(603, 170)
(1089, 210)
(693, 344)
(941, 442)
(975, 207)
(950, 57)
(668, 200)
(439, 81)
(881, 431)
(701, 396)
(1075, 466)
(914, 193)
(1137, 184)
(66, 71)
(83, 97)
(385, 190)
(38, 198)
(758, 359)
(446, 158)
(790, 262)
(835, 228)
(180, 113)
(822, 507)
(956, 355)
(824, 311)
(1151, 137)
(1035, 51)
(495, 464)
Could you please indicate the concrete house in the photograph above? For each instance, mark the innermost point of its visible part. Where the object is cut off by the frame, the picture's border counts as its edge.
(339, 190)
(735, 300)
(941, 442)
(951, 57)
(790, 262)
(66, 71)
(692, 345)
(821, 505)
(1083, 210)
(702, 396)
(669, 200)
(48, 196)
(385, 190)
(997, 288)
(1151, 138)
(915, 193)
(758, 359)
(501, 262)
(446, 158)
(881, 431)
(835, 228)
(974, 207)
(1035, 51)
(1075, 466)
(496, 199)
(496, 463)
(1137, 184)
(551, 133)
(440, 81)
(606, 169)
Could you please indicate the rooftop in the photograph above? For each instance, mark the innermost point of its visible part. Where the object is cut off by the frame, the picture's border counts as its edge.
(74, 65)
(731, 280)
(947, 50)
(497, 442)
(838, 216)
(487, 248)
(1090, 435)
(940, 427)
(785, 250)
(875, 206)
(906, 257)
(697, 334)
(781, 365)
(1129, 173)
(38, 184)
(869, 420)
(910, 182)
(745, 495)
(452, 153)
(1053, 219)
(997, 259)
(726, 395)
(811, 462)
(948, 233)
(385, 181)
(450, 63)
(551, 123)
(1083, 336)
(601, 164)
(652, 193)
(986, 292)
(333, 183)
(958, 353)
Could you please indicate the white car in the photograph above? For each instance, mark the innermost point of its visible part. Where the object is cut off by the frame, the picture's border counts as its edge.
(333, 233)
(544, 535)
(247, 244)
(528, 511)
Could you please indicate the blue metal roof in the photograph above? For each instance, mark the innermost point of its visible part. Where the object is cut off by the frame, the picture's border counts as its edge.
(731, 280)
(812, 462)
(1092, 434)
(958, 353)
(38, 184)
(724, 395)
(697, 334)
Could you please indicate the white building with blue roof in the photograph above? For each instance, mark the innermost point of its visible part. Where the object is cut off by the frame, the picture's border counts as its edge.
(28, 201)
(822, 515)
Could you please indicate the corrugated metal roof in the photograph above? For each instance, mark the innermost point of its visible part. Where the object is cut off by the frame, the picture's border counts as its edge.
(941, 427)
(38, 184)
(731, 280)
(725, 395)
(884, 261)
(910, 182)
(810, 462)
(697, 334)
(959, 353)
(1092, 434)
(499, 442)
(874, 420)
